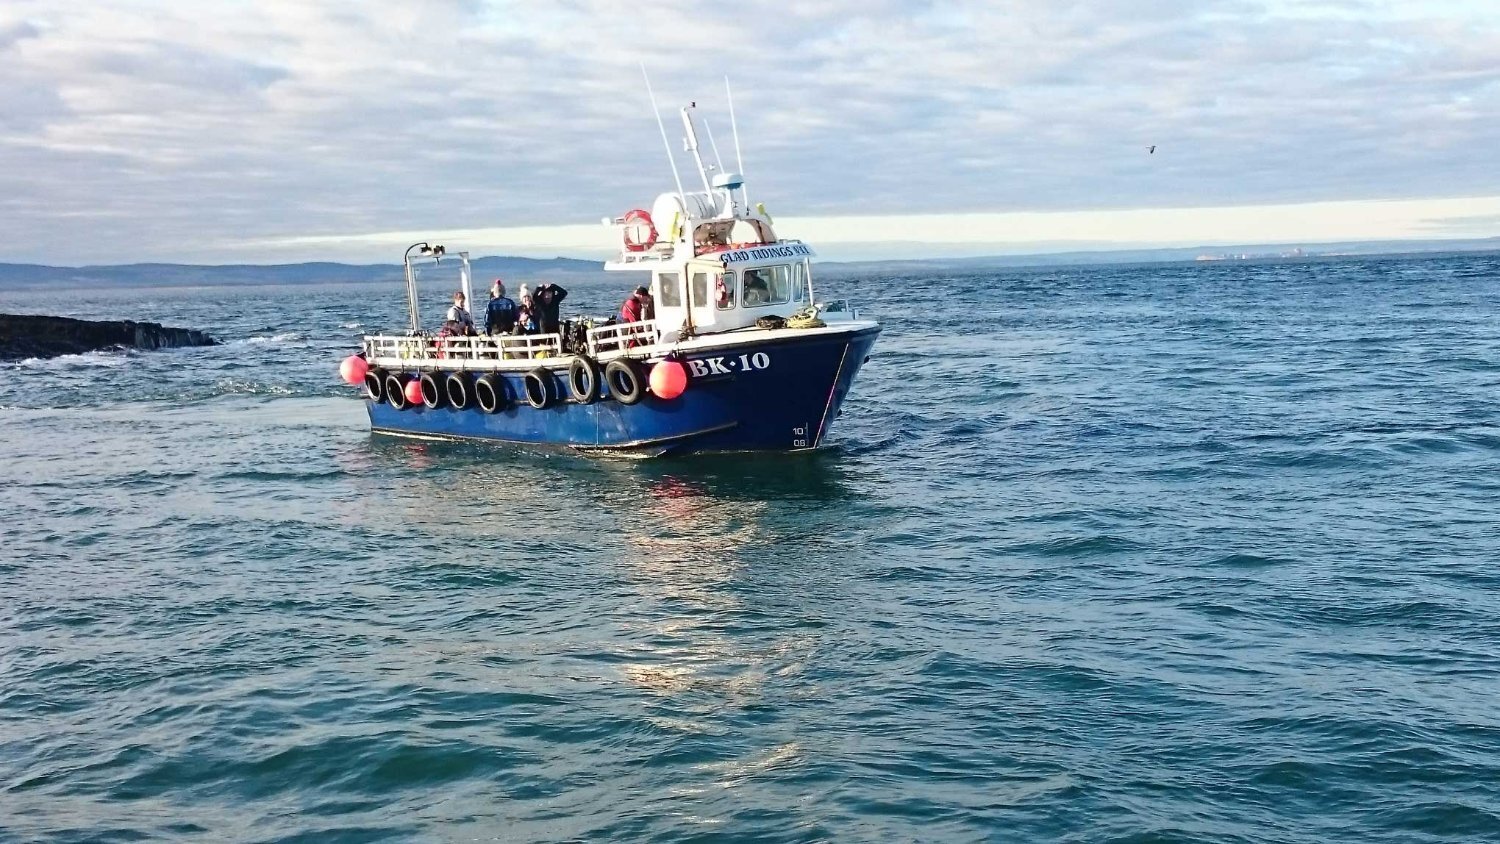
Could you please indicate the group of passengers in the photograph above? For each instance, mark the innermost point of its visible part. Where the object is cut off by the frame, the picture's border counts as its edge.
(538, 312)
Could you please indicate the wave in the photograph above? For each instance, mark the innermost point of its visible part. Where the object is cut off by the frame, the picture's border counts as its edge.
(284, 337)
(102, 357)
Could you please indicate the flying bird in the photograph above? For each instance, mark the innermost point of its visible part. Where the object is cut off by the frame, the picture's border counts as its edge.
(1151, 150)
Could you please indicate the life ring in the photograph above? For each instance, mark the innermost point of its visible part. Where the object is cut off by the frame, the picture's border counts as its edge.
(490, 393)
(540, 391)
(626, 383)
(456, 386)
(433, 394)
(395, 391)
(634, 218)
(375, 385)
(583, 379)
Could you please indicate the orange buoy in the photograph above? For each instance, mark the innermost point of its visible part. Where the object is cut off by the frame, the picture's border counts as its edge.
(353, 369)
(414, 391)
(668, 379)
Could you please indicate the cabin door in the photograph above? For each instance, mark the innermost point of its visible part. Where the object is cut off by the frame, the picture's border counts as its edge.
(707, 290)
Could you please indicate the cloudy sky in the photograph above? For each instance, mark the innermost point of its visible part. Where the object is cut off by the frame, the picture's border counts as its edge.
(284, 130)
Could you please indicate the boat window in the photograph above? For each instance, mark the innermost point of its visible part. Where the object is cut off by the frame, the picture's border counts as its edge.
(700, 290)
(670, 286)
(799, 282)
(724, 289)
(768, 285)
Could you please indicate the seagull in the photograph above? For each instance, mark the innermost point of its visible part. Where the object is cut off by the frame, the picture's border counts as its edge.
(1151, 150)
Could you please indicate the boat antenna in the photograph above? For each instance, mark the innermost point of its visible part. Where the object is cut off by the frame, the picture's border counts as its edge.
(692, 144)
(681, 195)
(718, 159)
(739, 157)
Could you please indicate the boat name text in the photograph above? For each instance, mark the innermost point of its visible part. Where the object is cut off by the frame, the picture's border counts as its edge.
(761, 253)
(702, 367)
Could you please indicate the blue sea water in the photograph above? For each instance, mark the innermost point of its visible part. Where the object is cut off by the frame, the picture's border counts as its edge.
(1135, 554)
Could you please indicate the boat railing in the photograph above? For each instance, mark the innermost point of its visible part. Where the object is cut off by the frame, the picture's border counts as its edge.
(836, 310)
(622, 335)
(422, 350)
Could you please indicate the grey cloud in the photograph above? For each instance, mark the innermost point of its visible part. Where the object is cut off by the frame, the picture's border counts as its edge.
(296, 119)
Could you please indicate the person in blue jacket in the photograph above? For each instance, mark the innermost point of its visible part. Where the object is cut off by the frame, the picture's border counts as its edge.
(500, 314)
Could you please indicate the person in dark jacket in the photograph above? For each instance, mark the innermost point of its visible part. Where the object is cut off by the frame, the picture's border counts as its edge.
(639, 307)
(547, 298)
(500, 314)
(526, 317)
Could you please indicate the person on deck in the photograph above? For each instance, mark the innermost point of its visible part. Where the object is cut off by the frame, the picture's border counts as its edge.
(460, 314)
(500, 314)
(639, 307)
(526, 321)
(548, 301)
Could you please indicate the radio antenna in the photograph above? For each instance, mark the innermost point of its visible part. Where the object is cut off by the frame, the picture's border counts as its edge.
(718, 158)
(739, 157)
(681, 195)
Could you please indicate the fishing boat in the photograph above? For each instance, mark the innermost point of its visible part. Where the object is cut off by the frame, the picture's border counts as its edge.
(740, 354)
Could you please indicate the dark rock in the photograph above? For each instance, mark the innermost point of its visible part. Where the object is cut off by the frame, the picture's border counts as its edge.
(32, 336)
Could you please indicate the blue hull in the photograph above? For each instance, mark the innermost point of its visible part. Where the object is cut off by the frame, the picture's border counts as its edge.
(779, 395)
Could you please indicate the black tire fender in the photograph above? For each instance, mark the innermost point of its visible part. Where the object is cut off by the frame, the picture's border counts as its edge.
(627, 383)
(583, 379)
(433, 395)
(539, 388)
(491, 393)
(458, 389)
(375, 385)
(395, 391)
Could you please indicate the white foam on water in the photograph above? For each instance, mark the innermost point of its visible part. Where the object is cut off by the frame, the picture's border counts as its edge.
(111, 358)
(284, 337)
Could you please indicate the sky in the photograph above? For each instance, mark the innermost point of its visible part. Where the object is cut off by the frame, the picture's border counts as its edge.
(276, 131)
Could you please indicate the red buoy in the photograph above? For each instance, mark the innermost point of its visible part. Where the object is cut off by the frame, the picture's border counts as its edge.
(668, 379)
(353, 369)
(414, 391)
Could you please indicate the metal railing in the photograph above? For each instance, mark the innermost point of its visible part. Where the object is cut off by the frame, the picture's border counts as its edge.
(447, 351)
(621, 336)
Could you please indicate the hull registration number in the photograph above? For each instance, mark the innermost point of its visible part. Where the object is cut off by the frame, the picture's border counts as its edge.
(728, 364)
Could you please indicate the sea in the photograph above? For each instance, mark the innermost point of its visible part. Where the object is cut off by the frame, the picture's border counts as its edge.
(1201, 552)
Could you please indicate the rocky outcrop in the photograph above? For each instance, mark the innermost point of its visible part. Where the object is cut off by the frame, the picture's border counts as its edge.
(29, 336)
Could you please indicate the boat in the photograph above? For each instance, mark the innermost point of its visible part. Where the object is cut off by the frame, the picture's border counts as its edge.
(740, 354)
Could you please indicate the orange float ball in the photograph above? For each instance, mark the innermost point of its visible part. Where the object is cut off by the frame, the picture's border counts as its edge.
(353, 369)
(414, 391)
(668, 379)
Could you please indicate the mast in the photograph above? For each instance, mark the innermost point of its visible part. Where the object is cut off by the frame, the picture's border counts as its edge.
(681, 195)
(692, 145)
(738, 156)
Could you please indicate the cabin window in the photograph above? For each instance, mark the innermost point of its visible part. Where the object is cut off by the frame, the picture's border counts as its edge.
(799, 282)
(670, 285)
(724, 289)
(768, 286)
(700, 290)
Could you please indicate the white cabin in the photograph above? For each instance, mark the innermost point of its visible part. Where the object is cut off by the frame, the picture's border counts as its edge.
(716, 264)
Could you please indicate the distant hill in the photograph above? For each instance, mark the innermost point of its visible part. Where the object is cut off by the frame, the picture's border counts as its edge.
(1206, 254)
(529, 269)
(189, 275)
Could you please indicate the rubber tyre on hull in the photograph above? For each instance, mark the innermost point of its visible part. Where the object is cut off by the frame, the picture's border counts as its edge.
(433, 395)
(375, 385)
(583, 380)
(491, 393)
(626, 381)
(539, 388)
(395, 391)
(458, 390)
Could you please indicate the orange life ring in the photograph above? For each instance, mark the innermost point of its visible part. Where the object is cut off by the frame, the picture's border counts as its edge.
(635, 218)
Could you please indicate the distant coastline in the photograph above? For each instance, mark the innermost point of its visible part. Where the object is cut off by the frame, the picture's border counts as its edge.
(23, 276)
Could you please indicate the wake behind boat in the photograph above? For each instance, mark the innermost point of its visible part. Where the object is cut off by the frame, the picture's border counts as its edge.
(740, 355)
